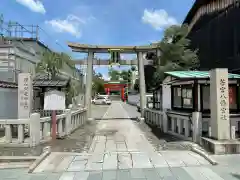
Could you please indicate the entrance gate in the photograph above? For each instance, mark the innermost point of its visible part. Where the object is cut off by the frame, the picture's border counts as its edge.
(115, 59)
(117, 86)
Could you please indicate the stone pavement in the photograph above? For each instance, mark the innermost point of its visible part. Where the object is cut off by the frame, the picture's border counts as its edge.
(77, 142)
(120, 150)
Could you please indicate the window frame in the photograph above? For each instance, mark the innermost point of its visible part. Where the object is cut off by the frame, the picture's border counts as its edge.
(185, 86)
(230, 109)
(157, 99)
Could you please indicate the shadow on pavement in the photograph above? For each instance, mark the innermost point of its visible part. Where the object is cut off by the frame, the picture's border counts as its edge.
(79, 141)
(159, 134)
(237, 176)
(133, 119)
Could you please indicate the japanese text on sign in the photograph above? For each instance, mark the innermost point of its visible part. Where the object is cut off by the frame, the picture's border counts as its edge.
(223, 100)
(24, 94)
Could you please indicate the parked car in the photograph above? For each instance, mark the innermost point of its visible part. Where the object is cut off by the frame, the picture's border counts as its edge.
(102, 100)
(149, 102)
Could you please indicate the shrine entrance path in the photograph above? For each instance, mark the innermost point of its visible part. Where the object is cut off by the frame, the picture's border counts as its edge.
(121, 149)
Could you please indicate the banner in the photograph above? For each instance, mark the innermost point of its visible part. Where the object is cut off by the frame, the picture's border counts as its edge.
(232, 95)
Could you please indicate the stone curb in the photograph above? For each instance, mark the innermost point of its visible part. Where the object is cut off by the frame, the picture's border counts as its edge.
(130, 103)
(205, 155)
(18, 158)
(39, 160)
(140, 119)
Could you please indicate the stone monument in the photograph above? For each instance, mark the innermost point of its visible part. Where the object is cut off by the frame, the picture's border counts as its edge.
(219, 103)
(25, 93)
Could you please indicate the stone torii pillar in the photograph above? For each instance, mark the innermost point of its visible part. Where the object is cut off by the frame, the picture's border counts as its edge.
(142, 84)
(88, 92)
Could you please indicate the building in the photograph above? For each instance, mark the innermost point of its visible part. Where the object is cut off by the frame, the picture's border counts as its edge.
(214, 31)
(20, 53)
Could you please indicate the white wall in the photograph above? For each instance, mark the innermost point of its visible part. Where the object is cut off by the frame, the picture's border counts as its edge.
(166, 94)
(9, 103)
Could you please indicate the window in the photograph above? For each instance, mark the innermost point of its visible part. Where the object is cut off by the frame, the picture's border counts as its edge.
(206, 97)
(187, 98)
(183, 97)
(177, 97)
(157, 99)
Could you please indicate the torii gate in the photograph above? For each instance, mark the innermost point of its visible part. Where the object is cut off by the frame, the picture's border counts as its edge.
(91, 49)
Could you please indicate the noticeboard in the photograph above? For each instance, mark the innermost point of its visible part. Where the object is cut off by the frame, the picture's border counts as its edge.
(54, 100)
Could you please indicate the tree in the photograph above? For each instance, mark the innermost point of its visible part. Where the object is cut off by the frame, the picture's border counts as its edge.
(51, 63)
(126, 75)
(136, 85)
(114, 74)
(133, 68)
(175, 52)
(98, 83)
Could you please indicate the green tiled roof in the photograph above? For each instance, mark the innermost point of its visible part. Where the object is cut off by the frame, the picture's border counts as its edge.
(197, 74)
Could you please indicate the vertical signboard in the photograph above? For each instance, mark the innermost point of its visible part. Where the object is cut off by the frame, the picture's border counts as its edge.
(24, 95)
(219, 104)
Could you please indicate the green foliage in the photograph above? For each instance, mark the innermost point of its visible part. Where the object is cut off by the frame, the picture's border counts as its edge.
(175, 54)
(126, 75)
(114, 74)
(136, 85)
(133, 68)
(51, 63)
(98, 83)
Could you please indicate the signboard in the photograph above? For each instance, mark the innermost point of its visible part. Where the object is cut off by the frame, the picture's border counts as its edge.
(24, 95)
(54, 100)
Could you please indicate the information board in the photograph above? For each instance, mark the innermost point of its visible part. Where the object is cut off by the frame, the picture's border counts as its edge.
(54, 100)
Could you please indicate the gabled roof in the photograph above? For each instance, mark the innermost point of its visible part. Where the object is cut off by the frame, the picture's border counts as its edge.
(197, 4)
(196, 75)
(4, 84)
(43, 80)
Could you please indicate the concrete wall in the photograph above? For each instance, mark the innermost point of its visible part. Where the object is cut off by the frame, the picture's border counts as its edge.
(14, 58)
(9, 103)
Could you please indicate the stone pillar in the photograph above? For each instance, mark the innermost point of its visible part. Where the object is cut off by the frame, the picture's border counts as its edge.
(197, 126)
(219, 104)
(179, 125)
(34, 129)
(142, 84)
(165, 122)
(60, 127)
(88, 92)
(186, 127)
(46, 129)
(25, 94)
(173, 124)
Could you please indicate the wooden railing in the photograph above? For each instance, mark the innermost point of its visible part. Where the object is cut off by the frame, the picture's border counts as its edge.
(36, 130)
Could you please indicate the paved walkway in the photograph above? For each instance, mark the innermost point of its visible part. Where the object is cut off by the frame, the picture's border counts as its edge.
(120, 150)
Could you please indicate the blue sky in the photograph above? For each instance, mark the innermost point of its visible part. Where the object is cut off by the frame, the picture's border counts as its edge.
(103, 22)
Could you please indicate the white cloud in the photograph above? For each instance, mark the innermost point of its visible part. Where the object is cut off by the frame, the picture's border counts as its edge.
(106, 77)
(33, 5)
(158, 19)
(72, 24)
